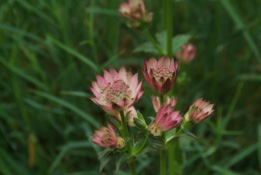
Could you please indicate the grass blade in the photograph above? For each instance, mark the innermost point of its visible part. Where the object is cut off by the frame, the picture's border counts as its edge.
(74, 53)
(240, 25)
(69, 106)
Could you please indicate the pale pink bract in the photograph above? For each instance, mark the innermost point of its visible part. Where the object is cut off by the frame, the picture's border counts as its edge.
(107, 137)
(135, 10)
(166, 119)
(116, 91)
(199, 111)
(187, 53)
(156, 101)
(160, 75)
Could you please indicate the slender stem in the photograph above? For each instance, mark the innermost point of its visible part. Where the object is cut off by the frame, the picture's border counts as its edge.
(125, 132)
(169, 18)
(132, 167)
(155, 44)
(163, 162)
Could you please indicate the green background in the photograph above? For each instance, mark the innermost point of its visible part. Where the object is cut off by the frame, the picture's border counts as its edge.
(50, 51)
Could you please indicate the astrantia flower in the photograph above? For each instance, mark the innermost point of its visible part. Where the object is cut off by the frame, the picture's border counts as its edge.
(172, 101)
(187, 53)
(116, 91)
(166, 119)
(160, 75)
(199, 111)
(135, 10)
(107, 137)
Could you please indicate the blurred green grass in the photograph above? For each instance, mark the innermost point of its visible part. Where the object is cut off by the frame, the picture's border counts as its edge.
(50, 51)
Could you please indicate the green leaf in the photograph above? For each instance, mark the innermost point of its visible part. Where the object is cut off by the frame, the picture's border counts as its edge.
(121, 160)
(68, 105)
(241, 26)
(104, 162)
(161, 37)
(170, 134)
(137, 146)
(74, 53)
(178, 41)
(21, 73)
(105, 153)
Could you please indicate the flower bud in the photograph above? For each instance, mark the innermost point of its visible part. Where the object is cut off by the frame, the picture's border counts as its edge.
(187, 53)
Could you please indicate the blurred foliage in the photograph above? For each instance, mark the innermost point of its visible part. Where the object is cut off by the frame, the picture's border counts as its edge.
(50, 51)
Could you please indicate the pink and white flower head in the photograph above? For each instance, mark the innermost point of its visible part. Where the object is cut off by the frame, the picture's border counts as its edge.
(132, 113)
(160, 75)
(116, 91)
(187, 53)
(199, 111)
(107, 137)
(135, 10)
(166, 119)
(172, 101)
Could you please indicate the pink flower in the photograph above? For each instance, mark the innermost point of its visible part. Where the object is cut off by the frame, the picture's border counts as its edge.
(135, 10)
(172, 101)
(199, 111)
(116, 91)
(166, 119)
(107, 137)
(187, 53)
(160, 75)
(132, 113)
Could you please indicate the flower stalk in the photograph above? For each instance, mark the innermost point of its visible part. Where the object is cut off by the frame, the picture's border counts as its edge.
(163, 155)
(125, 132)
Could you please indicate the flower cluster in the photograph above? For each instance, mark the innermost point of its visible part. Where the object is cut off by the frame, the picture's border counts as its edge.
(136, 12)
(117, 92)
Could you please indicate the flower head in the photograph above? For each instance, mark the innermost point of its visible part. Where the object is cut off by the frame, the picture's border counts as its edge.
(172, 101)
(187, 53)
(166, 119)
(116, 91)
(107, 137)
(135, 10)
(199, 111)
(160, 75)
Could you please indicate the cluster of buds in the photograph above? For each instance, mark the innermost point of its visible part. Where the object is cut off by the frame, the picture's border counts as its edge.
(136, 12)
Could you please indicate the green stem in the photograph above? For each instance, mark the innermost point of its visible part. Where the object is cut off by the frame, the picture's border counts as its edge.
(155, 44)
(132, 167)
(163, 162)
(125, 131)
(169, 26)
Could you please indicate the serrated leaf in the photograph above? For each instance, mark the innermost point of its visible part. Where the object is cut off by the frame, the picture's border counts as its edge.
(104, 153)
(121, 160)
(146, 47)
(178, 41)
